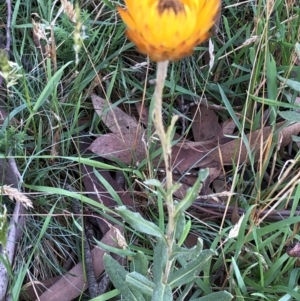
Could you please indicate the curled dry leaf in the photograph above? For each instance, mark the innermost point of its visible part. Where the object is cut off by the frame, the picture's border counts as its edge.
(120, 237)
(234, 232)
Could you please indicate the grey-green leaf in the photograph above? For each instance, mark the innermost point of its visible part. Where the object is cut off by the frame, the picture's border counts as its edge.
(192, 193)
(180, 224)
(295, 85)
(186, 231)
(136, 221)
(117, 275)
(159, 261)
(140, 282)
(290, 115)
(190, 270)
(162, 292)
(188, 254)
(140, 263)
(154, 182)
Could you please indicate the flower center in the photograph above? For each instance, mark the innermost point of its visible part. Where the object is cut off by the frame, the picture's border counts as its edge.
(175, 5)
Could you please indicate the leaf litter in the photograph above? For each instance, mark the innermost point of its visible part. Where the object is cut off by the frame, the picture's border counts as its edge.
(213, 143)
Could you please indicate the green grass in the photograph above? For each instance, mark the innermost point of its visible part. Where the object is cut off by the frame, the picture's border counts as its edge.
(254, 72)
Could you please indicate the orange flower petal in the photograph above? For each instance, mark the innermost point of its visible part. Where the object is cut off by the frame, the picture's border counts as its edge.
(169, 29)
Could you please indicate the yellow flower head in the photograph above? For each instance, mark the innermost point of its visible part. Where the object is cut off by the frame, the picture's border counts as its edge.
(169, 29)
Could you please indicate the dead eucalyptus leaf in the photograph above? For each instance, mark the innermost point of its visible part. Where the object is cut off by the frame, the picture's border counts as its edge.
(129, 148)
(235, 149)
(228, 127)
(184, 159)
(113, 117)
(205, 123)
(73, 283)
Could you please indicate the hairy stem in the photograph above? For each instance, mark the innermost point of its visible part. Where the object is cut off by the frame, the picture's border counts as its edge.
(165, 140)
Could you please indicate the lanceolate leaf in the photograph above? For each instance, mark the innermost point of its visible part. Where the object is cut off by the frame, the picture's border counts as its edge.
(159, 261)
(140, 283)
(180, 225)
(190, 270)
(140, 263)
(185, 233)
(117, 275)
(136, 221)
(192, 193)
(295, 85)
(188, 254)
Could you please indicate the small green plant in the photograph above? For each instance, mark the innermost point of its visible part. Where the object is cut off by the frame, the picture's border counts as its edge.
(157, 281)
(12, 141)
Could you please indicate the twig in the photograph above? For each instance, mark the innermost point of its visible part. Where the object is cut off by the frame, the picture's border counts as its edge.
(216, 211)
(10, 174)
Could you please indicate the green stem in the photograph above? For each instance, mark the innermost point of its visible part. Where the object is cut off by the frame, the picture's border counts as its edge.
(167, 154)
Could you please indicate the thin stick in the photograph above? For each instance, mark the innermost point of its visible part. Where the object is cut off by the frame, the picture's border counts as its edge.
(8, 26)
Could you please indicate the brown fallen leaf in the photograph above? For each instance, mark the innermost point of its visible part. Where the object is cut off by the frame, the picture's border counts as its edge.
(189, 155)
(294, 250)
(128, 148)
(228, 127)
(113, 117)
(125, 143)
(73, 283)
(28, 290)
(205, 123)
(231, 151)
